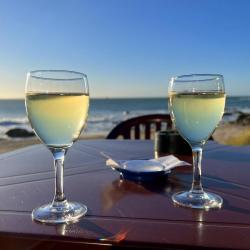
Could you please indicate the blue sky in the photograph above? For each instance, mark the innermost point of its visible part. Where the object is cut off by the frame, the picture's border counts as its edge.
(126, 47)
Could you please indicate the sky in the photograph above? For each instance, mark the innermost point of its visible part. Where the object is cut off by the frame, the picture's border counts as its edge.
(128, 48)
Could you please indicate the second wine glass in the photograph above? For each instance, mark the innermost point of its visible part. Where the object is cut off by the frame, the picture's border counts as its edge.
(57, 103)
(196, 105)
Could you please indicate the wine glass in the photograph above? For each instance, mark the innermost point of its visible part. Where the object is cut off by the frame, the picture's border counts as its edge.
(196, 105)
(57, 103)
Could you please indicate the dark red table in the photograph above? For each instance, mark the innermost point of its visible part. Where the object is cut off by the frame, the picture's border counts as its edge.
(122, 213)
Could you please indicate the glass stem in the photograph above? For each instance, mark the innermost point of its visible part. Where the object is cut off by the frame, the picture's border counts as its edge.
(59, 198)
(196, 185)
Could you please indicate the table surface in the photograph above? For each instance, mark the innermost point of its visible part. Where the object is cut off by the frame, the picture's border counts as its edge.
(124, 213)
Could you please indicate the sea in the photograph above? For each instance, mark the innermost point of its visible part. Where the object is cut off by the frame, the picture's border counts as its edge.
(104, 114)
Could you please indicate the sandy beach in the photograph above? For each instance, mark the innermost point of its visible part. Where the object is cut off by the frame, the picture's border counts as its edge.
(233, 134)
(7, 145)
(228, 133)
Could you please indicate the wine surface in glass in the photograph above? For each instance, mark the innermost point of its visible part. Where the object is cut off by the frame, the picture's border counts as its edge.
(57, 118)
(196, 115)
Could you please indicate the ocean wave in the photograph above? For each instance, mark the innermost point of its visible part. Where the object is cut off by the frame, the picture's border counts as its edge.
(236, 109)
(100, 119)
(6, 121)
(119, 116)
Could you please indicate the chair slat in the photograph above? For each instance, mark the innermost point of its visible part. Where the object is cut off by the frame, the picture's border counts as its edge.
(158, 126)
(137, 131)
(147, 131)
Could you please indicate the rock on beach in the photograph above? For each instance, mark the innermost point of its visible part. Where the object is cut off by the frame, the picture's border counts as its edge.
(19, 132)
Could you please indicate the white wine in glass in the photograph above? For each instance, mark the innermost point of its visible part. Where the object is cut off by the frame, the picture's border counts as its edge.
(57, 103)
(196, 105)
(58, 119)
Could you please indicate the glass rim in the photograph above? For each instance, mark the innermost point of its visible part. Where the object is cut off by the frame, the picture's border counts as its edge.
(207, 77)
(73, 78)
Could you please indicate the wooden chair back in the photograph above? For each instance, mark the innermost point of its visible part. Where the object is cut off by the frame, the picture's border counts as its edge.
(141, 127)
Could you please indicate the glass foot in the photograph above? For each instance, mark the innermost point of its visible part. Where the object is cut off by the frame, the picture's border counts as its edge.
(68, 212)
(200, 201)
